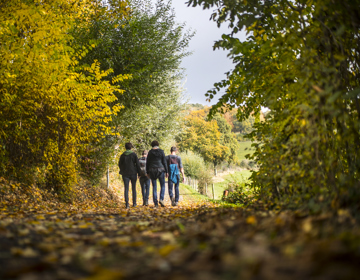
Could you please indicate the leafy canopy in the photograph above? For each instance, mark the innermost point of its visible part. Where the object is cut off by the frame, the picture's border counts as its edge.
(301, 60)
(50, 106)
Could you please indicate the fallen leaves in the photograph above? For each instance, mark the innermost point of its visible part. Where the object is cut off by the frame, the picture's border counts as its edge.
(198, 240)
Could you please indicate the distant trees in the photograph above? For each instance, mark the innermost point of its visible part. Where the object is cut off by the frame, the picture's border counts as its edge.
(212, 140)
(242, 127)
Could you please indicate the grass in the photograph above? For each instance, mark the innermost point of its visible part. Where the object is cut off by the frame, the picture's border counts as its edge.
(186, 190)
(244, 149)
(238, 176)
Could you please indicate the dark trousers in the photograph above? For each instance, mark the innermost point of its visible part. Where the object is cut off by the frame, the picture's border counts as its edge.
(170, 185)
(162, 187)
(145, 187)
(127, 180)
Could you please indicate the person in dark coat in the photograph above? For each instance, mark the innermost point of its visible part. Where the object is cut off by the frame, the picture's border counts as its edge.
(156, 168)
(129, 169)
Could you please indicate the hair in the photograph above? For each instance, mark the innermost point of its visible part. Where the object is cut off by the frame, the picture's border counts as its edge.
(173, 149)
(154, 143)
(128, 146)
(145, 152)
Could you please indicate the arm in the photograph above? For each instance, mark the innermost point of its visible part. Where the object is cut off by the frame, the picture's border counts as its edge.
(148, 160)
(119, 165)
(164, 163)
(137, 165)
(181, 168)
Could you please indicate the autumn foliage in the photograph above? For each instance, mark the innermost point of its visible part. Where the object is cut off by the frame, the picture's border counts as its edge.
(50, 106)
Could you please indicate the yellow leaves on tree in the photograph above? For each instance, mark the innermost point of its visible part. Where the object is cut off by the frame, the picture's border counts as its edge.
(49, 107)
(203, 137)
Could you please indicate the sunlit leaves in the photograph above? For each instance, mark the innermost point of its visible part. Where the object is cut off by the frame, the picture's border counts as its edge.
(51, 106)
(212, 140)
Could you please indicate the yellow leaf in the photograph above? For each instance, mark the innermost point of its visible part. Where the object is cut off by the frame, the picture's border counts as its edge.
(166, 250)
(251, 220)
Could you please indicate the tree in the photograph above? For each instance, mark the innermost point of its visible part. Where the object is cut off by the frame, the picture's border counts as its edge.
(300, 60)
(148, 45)
(212, 140)
(50, 106)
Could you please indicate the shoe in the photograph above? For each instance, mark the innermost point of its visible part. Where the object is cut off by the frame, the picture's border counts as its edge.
(127, 206)
(146, 202)
(172, 201)
(162, 203)
(135, 206)
(176, 203)
(156, 206)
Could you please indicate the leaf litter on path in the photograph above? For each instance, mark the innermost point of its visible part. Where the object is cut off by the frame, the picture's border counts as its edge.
(196, 240)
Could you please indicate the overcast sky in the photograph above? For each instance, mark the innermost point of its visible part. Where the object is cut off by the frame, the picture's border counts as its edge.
(205, 66)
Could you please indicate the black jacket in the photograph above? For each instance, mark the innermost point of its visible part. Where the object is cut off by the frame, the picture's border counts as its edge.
(156, 160)
(129, 164)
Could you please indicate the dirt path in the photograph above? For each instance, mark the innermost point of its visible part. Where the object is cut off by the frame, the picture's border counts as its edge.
(196, 240)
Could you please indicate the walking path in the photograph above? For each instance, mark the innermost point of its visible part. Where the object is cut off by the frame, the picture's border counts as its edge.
(196, 240)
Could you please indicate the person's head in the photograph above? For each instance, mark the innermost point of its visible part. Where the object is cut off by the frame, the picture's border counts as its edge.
(154, 143)
(129, 146)
(145, 153)
(173, 149)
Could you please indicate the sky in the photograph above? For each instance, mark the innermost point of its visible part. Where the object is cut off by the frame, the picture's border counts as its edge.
(204, 67)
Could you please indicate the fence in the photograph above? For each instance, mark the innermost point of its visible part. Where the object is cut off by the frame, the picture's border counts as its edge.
(193, 183)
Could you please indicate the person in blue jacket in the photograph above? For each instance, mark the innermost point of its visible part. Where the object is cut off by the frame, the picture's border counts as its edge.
(129, 169)
(175, 166)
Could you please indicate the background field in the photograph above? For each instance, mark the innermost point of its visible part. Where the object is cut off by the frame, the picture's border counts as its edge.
(244, 149)
(238, 176)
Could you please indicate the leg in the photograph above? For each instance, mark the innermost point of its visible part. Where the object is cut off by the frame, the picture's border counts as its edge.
(154, 192)
(147, 190)
(162, 188)
(133, 186)
(143, 188)
(170, 186)
(177, 193)
(126, 181)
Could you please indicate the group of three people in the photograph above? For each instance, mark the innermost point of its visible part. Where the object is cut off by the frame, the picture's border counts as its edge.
(153, 165)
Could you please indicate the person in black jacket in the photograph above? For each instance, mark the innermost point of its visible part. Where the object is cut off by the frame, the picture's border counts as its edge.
(156, 168)
(129, 169)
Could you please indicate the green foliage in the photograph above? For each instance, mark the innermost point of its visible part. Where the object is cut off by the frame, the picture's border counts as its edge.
(193, 164)
(196, 168)
(242, 127)
(300, 60)
(149, 45)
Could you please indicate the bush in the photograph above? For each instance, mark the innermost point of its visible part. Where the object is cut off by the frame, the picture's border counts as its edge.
(193, 164)
(238, 194)
(195, 167)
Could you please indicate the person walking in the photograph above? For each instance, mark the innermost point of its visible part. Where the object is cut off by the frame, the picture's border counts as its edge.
(129, 169)
(175, 166)
(144, 179)
(156, 168)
